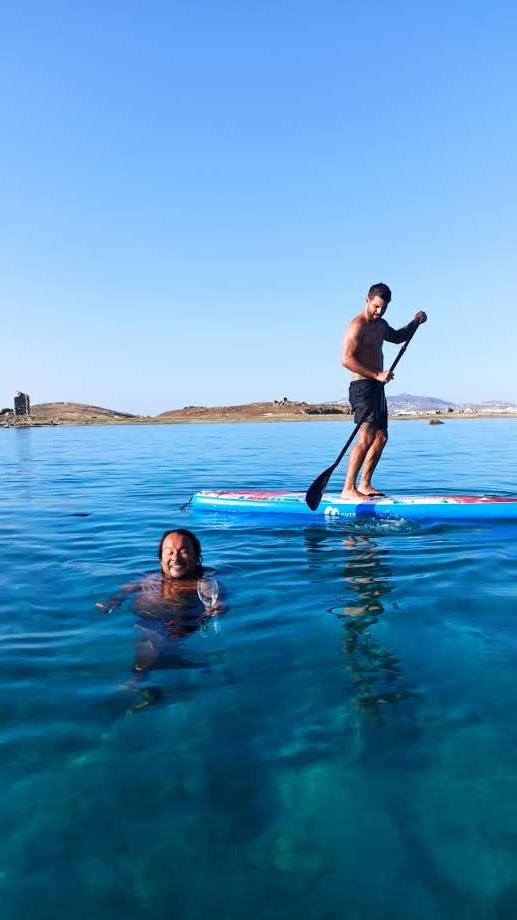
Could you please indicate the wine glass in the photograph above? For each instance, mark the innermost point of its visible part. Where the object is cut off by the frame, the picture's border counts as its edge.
(208, 591)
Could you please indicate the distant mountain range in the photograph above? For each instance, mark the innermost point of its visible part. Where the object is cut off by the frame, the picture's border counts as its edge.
(406, 402)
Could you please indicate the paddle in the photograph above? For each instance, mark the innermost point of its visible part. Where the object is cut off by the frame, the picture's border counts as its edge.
(316, 490)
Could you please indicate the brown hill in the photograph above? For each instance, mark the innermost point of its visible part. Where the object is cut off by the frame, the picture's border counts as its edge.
(262, 410)
(74, 411)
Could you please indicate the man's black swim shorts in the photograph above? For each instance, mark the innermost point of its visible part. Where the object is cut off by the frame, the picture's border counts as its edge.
(368, 403)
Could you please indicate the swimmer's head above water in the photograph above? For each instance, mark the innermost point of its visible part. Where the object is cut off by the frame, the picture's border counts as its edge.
(179, 553)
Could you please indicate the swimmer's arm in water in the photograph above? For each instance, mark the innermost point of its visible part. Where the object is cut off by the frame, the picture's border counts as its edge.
(111, 603)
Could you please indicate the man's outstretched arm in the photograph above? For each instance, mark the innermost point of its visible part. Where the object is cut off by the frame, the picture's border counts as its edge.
(397, 336)
(111, 603)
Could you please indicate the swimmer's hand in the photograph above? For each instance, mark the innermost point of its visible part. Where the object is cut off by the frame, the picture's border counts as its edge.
(215, 609)
(109, 605)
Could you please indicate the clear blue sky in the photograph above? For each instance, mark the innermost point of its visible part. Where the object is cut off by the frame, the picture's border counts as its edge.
(195, 197)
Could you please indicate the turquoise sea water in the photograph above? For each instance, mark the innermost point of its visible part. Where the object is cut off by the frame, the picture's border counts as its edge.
(341, 742)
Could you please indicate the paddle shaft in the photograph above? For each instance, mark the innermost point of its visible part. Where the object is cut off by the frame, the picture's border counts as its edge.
(315, 491)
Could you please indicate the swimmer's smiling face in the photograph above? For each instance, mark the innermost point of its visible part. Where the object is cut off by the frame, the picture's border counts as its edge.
(178, 558)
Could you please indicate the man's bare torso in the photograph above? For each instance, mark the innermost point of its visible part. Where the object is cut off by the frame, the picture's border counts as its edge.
(157, 596)
(370, 336)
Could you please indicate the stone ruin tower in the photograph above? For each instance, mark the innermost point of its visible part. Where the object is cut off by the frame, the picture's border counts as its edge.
(22, 405)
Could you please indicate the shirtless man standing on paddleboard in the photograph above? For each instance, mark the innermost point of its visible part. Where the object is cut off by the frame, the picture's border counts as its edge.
(362, 355)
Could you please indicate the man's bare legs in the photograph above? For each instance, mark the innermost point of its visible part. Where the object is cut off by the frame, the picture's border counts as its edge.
(367, 451)
(370, 462)
(364, 443)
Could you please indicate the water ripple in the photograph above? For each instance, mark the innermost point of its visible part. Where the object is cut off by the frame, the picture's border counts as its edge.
(348, 718)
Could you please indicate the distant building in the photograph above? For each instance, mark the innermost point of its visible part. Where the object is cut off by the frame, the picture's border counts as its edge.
(22, 405)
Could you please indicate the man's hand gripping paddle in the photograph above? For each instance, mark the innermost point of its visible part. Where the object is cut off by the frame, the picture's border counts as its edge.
(316, 490)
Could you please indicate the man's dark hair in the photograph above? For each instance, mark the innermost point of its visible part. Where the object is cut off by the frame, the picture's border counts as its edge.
(196, 545)
(380, 290)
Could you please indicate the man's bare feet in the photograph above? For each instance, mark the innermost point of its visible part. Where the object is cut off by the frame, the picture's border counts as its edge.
(370, 491)
(353, 495)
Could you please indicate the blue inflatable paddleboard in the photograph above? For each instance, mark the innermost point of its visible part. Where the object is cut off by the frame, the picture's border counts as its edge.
(334, 508)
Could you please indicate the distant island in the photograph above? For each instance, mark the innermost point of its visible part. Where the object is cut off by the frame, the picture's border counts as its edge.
(404, 406)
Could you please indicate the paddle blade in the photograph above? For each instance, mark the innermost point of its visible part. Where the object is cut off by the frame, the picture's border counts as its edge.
(314, 493)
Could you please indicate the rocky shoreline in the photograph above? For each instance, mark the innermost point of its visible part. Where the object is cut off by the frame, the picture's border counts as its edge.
(220, 415)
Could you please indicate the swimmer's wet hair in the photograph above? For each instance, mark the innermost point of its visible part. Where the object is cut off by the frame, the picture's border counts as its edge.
(183, 532)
